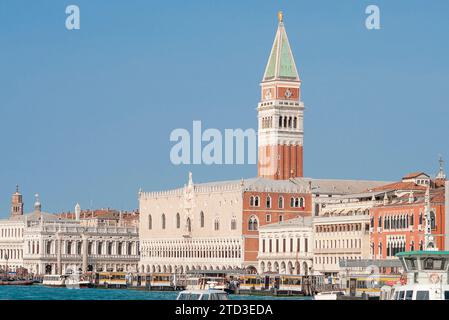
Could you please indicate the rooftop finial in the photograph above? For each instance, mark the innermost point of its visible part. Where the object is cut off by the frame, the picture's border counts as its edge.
(280, 16)
(17, 188)
(441, 174)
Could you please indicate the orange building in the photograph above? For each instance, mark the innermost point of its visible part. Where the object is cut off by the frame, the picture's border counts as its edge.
(271, 207)
(398, 222)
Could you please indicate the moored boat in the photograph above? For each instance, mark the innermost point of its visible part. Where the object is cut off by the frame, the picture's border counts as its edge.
(210, 294)
(427, 277)
(329, 295)
(69, 281)
(14, 282)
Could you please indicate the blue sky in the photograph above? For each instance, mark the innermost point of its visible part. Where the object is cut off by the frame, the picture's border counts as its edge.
(85, 116)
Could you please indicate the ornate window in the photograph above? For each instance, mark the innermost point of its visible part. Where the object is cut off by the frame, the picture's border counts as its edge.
(233, 223)
(433, 223)
(251, 201)
(268, 202)
(301, 202)
(217, 224)
(256, 201)
(189, 225)
(253, 224)
(281, 202)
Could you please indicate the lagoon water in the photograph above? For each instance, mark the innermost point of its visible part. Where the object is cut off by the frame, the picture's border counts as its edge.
(39, 292)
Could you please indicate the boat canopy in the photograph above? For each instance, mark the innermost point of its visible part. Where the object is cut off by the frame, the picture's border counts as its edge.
(434, 261)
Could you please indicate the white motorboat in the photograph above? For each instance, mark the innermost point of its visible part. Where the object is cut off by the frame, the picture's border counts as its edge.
(329, 295)
(427, 277)
(202, 295)
(68, 280)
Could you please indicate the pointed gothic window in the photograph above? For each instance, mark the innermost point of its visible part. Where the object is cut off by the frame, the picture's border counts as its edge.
(281, 202)
(178, 221)
(253, 223)
(433, 224)
(217, 224)
(233, 223)
(189, 225)
(256, 201)
(202, 219)
(268, 202)
(163, 221)
(251, 201)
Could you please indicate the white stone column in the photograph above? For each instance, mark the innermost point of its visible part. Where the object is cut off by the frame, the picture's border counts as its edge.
(58, 253)
(84, 252)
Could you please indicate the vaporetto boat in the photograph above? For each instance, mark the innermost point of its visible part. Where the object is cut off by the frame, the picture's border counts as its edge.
(427, 277)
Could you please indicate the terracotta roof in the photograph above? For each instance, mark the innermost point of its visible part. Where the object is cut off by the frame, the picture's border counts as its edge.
(399, 186)
(414, 175)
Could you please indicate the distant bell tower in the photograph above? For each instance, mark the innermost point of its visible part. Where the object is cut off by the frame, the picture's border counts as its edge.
(16, 203)
(280, 113)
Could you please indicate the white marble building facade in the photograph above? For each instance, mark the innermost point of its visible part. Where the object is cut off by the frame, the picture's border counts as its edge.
(286, 247)
(44, 243)
(11, 244)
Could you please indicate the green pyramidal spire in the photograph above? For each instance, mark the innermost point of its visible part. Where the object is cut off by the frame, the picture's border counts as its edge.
(281, 65)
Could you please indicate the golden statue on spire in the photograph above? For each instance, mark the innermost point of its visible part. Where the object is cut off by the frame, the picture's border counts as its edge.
(280, 16)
